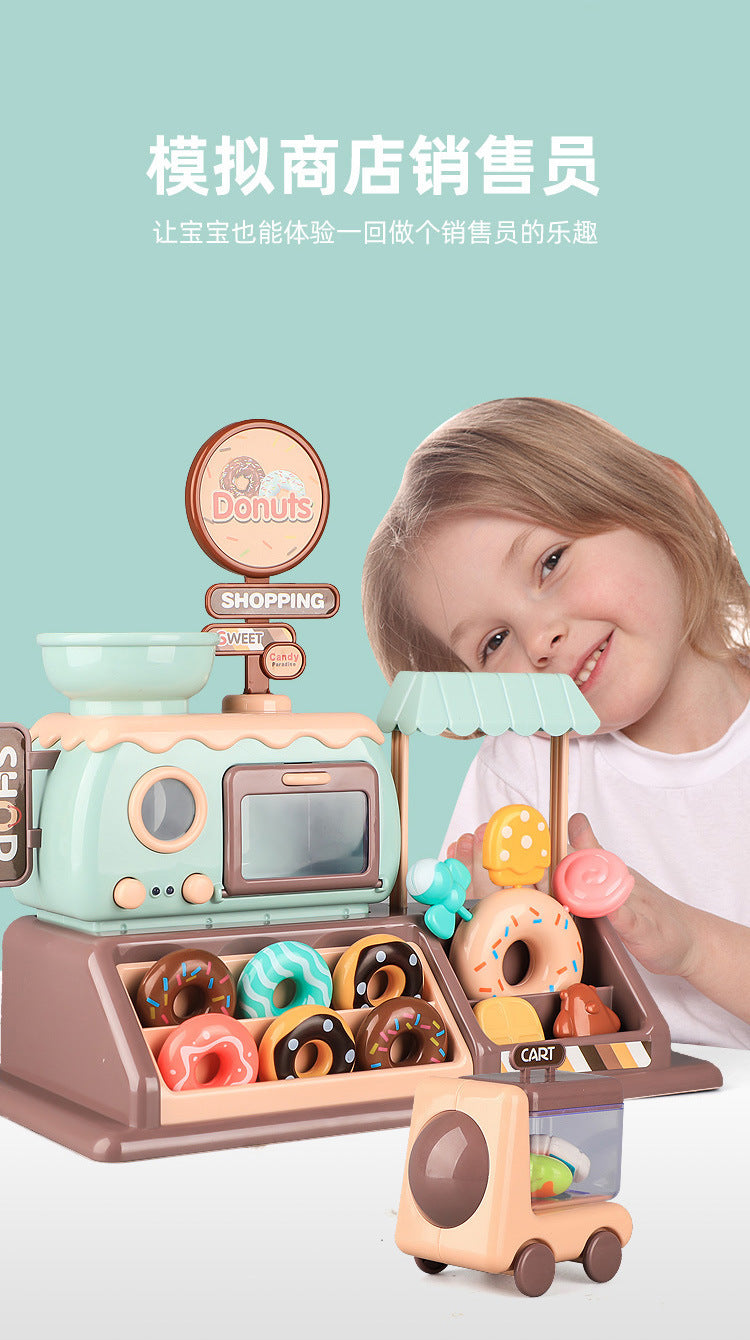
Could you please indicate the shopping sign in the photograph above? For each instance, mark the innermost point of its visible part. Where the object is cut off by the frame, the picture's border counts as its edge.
(267, 602)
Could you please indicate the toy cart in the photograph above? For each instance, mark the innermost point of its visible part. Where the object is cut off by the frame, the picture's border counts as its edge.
(513, 1176)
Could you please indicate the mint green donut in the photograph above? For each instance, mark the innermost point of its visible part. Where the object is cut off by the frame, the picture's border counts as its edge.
(286, 961)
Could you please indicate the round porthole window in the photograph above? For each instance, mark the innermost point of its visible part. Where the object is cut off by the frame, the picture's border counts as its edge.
(167, 809)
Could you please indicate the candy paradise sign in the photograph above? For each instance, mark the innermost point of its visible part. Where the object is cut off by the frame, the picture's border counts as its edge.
(257, 501)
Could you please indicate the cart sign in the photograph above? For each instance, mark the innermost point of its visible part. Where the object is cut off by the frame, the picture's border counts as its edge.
(15, 853)
(548, 1054)
(257, 498)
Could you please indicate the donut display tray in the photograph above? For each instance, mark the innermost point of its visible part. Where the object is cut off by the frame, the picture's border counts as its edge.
(79, 1067)
(267, 1098)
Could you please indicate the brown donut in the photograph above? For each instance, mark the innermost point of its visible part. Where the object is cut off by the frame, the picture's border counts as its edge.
(401, 1032)
(306, 1026)
(241, 476)
(182, 984)
(374, 969)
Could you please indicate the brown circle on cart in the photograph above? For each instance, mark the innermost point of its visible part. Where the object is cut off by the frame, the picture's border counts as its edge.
(448, 1169)
(257, 497)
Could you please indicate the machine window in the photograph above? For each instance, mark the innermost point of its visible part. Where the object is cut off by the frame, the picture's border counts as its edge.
(167, 809)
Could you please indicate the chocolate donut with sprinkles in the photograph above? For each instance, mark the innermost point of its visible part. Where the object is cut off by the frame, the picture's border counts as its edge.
(402, 1032)
(183, 984)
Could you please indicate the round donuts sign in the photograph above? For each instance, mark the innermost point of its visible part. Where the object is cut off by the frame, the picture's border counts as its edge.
(257, 498)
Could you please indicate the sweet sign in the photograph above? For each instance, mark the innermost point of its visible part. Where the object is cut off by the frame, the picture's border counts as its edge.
(247, 639)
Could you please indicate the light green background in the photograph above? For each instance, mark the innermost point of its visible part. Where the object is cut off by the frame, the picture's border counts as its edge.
(121, 357)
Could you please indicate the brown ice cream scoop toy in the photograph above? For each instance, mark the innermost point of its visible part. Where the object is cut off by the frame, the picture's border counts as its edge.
(583, 1014)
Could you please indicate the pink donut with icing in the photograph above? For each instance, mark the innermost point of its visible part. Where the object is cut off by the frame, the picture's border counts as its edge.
(207, 1052)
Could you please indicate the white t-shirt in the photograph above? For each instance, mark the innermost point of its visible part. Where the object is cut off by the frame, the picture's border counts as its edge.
(681, 820)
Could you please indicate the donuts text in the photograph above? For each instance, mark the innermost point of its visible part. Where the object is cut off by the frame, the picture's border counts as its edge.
(226, 507)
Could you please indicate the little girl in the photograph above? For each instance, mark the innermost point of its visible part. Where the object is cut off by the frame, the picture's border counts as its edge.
(529, 535)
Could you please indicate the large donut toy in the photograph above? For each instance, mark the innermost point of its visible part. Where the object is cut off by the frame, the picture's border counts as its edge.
(500, 922)
(306, 1043)
(401, 1032)
(300, 971)
(182, 985)
(208, 1053)
(375, 969)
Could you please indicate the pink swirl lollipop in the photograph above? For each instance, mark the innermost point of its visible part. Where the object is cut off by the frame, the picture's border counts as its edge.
(592, 882)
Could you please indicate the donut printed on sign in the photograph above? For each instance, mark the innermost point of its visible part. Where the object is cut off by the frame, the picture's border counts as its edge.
(257, 497)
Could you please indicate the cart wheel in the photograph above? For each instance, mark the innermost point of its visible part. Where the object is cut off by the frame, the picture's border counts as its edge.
(601, 1256)
(534, 1269)
(429, 1267)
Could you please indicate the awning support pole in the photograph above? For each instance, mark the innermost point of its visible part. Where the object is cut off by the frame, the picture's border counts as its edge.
(400, 770)
(558, 799)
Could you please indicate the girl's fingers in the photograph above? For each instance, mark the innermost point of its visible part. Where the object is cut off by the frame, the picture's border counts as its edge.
(468, 848)
(465, 849)
(580, 833)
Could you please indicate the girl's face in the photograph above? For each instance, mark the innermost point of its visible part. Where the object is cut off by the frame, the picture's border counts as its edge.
(513, 595)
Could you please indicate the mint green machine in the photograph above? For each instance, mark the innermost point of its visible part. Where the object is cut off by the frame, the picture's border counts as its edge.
(155, 816)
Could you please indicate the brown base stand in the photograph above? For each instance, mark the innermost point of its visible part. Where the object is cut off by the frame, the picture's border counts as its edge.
(78, 1067)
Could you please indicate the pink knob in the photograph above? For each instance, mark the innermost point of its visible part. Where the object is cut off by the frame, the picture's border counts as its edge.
(592, 883)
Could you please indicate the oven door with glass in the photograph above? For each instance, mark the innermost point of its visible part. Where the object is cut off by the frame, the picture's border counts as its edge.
(299, 827)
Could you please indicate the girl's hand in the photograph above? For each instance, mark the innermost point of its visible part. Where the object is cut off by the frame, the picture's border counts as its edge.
(468, 849)
(656, 928)
(665, 935)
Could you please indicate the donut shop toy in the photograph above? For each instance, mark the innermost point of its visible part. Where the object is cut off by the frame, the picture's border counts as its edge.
(173, 858)
(512, 1176)
(205, 885)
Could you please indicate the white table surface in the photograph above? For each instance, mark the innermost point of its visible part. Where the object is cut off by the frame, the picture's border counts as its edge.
(293, 1240)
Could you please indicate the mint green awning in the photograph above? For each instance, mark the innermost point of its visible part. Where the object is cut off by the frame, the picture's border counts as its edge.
(433, 702)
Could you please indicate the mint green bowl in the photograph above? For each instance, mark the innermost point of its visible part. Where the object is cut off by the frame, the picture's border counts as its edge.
(123, 674)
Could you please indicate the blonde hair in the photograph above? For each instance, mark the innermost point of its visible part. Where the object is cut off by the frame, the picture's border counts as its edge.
(560, 466)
